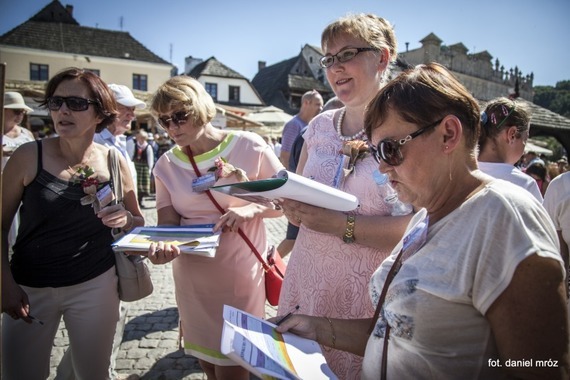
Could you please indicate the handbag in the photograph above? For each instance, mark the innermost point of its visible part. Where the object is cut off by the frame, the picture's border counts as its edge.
(274, 276)
(134, 277)
(274, 267)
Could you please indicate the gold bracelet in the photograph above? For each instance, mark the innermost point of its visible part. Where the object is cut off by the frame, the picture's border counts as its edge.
(332, 332)
(349, 232)
(129, 224)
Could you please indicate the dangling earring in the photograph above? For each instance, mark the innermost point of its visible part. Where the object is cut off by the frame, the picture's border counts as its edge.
(449, 165)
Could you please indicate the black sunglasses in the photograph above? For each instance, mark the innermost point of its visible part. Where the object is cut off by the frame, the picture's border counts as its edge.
(177, 118)
(388, 150)
(74, 103)
(16, 111)
(344, 55)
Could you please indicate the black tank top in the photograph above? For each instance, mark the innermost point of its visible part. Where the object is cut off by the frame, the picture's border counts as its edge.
(59, 242)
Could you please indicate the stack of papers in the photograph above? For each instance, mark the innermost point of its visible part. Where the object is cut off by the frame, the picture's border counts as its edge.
(194, 239)
(255, 345)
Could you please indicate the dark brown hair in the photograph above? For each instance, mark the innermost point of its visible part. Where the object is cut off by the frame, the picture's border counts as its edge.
(105, 106)
(422, 95)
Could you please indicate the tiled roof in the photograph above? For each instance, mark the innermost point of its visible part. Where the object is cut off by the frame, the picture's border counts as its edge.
(274, 83)
(542, 117)
(54, 29)
(273, 79)
(304, 83)
(215, 68)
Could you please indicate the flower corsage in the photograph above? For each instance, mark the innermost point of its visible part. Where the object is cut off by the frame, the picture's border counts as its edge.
(85, 175)
(223, 169)
(355, 150)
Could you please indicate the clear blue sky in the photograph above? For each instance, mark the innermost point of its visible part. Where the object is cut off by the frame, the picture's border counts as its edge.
(531, 34)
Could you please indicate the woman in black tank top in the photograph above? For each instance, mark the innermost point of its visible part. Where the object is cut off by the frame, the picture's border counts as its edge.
(62, 263)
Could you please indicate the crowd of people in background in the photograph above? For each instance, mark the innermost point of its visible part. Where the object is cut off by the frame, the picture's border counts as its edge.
(379, 291)
(542, 169)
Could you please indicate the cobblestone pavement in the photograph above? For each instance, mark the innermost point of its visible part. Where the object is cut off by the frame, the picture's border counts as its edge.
(150, 344)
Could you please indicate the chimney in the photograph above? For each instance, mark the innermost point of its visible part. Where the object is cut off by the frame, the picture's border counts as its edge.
(261, 65)
(407, 44)
(69, 9)
(191, 62)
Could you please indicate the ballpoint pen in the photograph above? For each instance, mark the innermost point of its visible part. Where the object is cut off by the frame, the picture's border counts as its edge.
(287, 315)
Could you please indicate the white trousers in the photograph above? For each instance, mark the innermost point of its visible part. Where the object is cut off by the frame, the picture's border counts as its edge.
(90, 311)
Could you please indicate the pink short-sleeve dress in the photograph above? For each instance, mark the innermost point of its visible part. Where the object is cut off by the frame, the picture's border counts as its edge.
(325, 276)
(234, 276)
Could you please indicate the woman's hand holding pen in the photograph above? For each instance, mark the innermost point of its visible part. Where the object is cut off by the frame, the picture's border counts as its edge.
(15, 302)
(302, 325)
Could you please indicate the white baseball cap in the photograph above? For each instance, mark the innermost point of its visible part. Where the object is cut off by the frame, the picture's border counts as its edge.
(123, 95)
(15, 100)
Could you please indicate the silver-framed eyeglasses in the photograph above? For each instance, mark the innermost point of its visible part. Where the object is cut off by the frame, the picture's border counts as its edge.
(388, 150)
(344, 55)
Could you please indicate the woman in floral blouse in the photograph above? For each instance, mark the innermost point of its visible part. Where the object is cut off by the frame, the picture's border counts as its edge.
(335, 253)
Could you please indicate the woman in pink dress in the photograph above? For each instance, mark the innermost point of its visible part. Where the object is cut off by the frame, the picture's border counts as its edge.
(234, 276)
(335, 254)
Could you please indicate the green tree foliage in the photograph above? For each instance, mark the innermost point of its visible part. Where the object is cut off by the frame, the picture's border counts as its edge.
(556, 99)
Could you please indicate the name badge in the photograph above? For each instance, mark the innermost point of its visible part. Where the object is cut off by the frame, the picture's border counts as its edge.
(203, 183)
(105, 196)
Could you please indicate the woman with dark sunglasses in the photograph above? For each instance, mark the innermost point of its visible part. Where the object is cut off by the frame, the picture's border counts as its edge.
(505, 126)
(205, 156)
(336, 253)
(475, 289)
(62, 263)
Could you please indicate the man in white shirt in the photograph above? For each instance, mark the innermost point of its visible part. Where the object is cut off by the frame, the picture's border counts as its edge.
(114, 135)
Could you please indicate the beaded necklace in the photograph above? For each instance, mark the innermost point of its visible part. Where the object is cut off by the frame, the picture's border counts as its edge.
(355, 136)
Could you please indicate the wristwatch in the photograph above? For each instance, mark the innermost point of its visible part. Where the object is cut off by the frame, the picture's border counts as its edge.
(349, 232)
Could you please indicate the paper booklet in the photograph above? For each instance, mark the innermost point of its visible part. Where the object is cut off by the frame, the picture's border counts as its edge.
(194, 239)
(287, 184)
(255, 345)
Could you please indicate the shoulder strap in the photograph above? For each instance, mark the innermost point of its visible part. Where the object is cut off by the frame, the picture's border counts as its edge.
(115, 172)
(40, 160)
(266, 267)
(391, 274)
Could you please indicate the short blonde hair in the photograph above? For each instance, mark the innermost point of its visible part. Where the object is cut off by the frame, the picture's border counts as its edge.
(184, 93)
(373, 30)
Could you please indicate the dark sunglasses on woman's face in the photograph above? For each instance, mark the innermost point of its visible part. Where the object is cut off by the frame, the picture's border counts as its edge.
(74, 103)
(388, 150)
(177, 118)
(17, 112)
